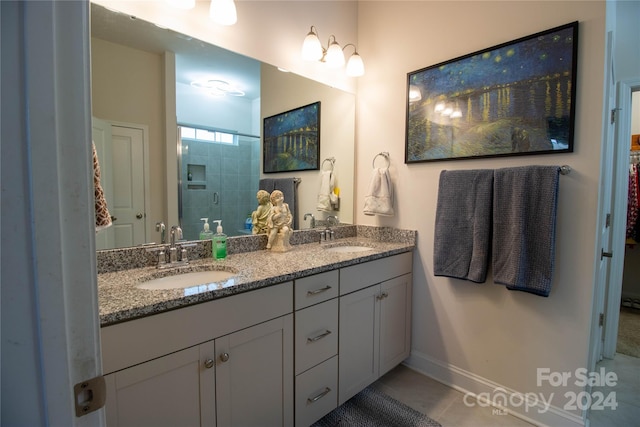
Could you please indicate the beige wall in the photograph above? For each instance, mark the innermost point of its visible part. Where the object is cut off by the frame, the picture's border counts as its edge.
(128, 86)
(284, 91)
(269, 31)
(483, 331)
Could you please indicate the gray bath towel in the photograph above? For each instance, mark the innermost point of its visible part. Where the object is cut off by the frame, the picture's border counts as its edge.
(289, 191)
(524, 227)
(463, 224)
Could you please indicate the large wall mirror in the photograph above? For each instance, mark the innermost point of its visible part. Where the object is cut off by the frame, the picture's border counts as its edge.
(149, 113)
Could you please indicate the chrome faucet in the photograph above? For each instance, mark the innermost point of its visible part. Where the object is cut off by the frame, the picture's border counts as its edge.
(161, 228)
(312, 223)
(176, 232)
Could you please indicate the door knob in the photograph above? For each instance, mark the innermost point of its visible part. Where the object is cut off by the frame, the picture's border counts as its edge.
(113, 218)
(224, 357)
(139, 215)
(208, 363)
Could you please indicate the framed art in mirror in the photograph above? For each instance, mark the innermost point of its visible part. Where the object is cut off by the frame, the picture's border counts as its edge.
(517, 98)
(291, 140)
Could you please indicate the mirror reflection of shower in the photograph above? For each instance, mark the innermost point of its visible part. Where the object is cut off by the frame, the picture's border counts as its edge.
(217, 179)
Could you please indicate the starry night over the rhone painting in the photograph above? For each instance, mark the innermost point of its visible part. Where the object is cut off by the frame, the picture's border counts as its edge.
(513, 99)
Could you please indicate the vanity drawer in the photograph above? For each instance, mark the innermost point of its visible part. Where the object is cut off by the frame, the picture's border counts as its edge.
(360, 276)
(314, 289)
(316, 335)
(317, 392)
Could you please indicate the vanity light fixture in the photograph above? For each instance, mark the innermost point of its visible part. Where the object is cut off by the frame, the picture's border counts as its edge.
(217, 87)
(333, 55)
(223, 12)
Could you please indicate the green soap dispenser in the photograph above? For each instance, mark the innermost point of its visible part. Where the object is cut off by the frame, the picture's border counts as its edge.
(219, 242)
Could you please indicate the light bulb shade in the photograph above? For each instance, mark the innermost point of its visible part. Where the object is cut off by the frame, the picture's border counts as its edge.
(335, 56)
(181, 4)
(223, 12)
(311, 47)
(456, 114)
(355, 66)
(414, 93)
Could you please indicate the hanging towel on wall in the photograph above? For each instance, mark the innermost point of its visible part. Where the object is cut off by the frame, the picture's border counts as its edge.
(525, 201)
(103, 218)
(267, 184)
(288, 186)
(379, 197)
(463, 224)
(327, 183)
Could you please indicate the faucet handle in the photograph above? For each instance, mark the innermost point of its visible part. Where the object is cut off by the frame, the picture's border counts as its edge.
(161, 258)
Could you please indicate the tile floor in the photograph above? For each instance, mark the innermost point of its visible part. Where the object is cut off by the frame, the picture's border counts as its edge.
(627, 395)
(441, 402)
(446, 405)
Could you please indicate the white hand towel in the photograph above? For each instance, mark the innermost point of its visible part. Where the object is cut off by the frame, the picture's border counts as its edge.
(379, 198)
(326, 191)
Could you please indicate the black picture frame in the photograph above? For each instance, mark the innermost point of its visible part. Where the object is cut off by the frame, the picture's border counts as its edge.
(291, 140)
(516, 98)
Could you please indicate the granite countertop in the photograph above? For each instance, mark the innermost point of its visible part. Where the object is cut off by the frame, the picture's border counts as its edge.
(120, 300)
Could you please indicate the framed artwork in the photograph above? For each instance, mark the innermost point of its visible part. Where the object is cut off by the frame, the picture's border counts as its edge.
(517, 98)
(291, 140)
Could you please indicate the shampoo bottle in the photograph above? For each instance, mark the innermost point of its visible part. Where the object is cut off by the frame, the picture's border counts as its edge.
(219, 242)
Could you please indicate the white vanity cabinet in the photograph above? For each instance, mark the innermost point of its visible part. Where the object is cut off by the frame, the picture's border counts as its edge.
(375, 321)
(227, 362)
(281, 355)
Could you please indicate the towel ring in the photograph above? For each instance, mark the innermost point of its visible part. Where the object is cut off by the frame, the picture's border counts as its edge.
(384, 154)
(331, 160)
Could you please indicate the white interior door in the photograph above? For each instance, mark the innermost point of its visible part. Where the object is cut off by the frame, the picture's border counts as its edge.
(101, 134)
(128, 169)
(606, 209)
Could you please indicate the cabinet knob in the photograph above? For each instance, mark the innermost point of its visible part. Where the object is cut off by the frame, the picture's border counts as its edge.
(208, 363)
(224, 357)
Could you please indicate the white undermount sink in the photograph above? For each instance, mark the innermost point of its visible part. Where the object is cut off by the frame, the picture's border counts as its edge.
(348, 248)
(186, 280)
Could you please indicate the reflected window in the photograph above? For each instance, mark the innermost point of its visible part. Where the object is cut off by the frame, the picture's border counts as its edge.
(208, 135)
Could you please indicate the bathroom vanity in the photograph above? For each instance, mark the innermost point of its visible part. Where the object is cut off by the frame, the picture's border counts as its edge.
(292, 337)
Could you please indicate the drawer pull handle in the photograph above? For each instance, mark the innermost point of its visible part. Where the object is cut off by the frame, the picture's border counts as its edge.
(320, 396)
(208, 363)
(319, 337)
(318, 291)
(224, 357)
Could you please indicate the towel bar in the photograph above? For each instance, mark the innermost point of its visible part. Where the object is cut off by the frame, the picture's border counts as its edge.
(565, 169)
(331, 160)
(384, 154)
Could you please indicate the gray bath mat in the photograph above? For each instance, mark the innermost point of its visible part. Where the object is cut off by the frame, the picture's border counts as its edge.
(373, 408)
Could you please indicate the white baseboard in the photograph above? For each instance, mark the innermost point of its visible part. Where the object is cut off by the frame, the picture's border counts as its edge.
(479, 387)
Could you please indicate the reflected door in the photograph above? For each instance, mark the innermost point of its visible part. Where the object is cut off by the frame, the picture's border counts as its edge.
(127, 148)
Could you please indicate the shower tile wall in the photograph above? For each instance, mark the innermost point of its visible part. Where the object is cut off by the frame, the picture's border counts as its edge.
(231, 176)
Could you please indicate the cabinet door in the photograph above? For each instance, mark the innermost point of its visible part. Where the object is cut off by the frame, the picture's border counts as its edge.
(254, 375)
(161, 392)
(395, 322)
(359, 341)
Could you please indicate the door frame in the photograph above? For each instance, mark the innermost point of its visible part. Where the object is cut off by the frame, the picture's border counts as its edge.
(619, 214)
(52, 286)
